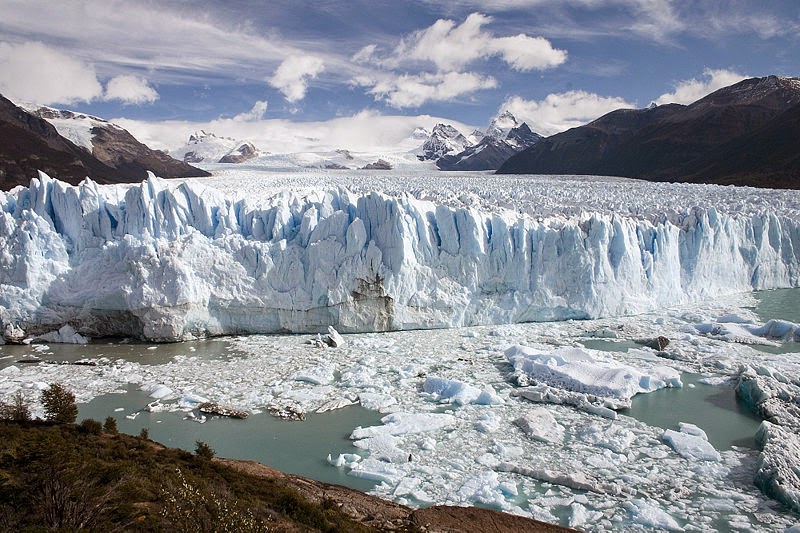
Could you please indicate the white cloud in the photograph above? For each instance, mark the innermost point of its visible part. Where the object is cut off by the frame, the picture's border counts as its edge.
(413, 91)
(257, 112)
(173, 41)
(293, 75)
(130, 90)
(452, 47)
(365, 55)
(562, 111)
(40, 74)
(528, 53)
(689, 91)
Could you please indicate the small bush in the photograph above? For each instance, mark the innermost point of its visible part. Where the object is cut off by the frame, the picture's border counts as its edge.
(204, 450)
(91, 426)
(59, 405)
(110, 425)
(18, 410)
(144, 434)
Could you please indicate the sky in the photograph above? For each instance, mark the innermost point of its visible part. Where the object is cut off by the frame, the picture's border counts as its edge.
(324, 69)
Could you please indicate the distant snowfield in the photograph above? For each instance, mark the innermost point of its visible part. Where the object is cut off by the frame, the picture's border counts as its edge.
(250, 251)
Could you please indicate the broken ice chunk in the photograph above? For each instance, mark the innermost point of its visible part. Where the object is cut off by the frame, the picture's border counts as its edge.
(405, 424)
(460, 393)
(540, 425)
(690, 446)
(648, 514)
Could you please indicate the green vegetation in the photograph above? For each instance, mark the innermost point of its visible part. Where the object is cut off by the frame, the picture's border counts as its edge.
(110, 425)
(69, 477)
(17, 410)
(204, 450)
(59, 404)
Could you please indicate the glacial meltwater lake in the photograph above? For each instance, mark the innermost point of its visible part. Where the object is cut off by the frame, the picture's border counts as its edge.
(461, 458)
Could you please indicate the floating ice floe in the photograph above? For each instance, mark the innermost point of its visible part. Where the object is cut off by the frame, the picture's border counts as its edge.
(649, 514)
(449, 390)
(539, 424)
(739, 330)
(589, 372)
(405, 424)
(691, 442)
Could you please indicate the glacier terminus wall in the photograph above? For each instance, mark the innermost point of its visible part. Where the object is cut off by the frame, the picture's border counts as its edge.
(168, 261)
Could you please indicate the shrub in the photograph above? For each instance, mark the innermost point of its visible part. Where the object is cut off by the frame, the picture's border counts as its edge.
(204, 450)
(110, 425)
(18, 410)
(144, 433)
(91, 426)
(59, 404)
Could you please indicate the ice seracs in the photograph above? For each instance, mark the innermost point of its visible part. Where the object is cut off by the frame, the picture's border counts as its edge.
(167, 261)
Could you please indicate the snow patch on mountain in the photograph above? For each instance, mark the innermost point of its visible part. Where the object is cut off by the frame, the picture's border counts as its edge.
(76, 127)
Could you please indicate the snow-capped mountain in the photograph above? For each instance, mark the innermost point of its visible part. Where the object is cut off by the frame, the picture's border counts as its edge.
(444, 139)
(73, 146)
(502, 125)
(504, 137)
(206, 147)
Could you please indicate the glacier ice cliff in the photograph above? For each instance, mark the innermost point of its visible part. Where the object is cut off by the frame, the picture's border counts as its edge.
(167, 261)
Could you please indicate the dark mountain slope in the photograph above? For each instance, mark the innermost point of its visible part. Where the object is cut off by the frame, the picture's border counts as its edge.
(29, 143)
(677, 143)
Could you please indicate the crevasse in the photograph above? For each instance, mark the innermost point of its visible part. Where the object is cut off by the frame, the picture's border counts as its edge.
(165, 261)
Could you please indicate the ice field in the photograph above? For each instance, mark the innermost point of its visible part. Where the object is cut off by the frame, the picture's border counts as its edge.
(260, 252)
(458, 425)
(548, 298)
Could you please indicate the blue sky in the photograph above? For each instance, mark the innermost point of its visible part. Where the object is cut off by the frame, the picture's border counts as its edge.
(556, 63)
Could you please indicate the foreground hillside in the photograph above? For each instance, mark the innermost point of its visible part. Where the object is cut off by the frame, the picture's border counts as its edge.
(30, 142)
(745, 134)
(79, 478)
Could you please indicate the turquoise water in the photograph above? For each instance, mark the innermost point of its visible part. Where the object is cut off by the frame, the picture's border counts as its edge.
(296, 447)
(783, 304)
(713, 408)
(145, 354)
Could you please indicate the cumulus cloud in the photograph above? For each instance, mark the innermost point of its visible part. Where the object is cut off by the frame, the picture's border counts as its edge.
(527, 53)
(689, 91)
(257, 112)
(38, 73)
(293, 75)
(414, 90)
(562, 111)
(452, 47)
(130, 90)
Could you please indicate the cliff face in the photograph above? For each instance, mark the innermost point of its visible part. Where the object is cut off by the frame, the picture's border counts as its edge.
(29, 143)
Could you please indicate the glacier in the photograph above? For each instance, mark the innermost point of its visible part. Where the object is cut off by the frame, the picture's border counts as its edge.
(174, 260)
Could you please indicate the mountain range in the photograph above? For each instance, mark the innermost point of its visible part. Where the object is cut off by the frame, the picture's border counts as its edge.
(744, 134)
(452, 150)
(73, 146)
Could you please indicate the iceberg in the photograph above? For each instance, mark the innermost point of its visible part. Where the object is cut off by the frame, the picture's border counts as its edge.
(587, 372)
(175, 260)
